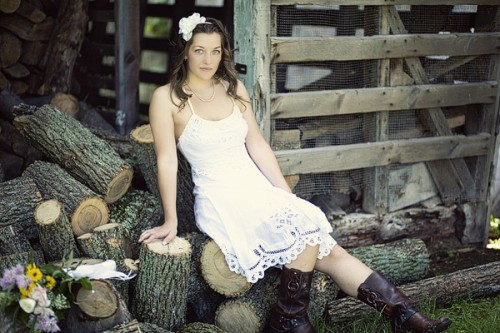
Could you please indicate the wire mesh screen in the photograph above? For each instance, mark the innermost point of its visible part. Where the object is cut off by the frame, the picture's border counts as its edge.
(357, 21)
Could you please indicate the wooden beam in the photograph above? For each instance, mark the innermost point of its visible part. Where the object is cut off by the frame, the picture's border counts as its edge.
(400, 45)
(352, 101)
(127, 61)
(365, 155)
(244, 42)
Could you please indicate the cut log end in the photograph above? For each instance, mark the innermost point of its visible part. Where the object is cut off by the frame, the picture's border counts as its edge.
(217, 274)
(235, 316)
(100, 302)
(48, 212)
(177, 247)
(119, 185)
(142, 134)
(90, 213)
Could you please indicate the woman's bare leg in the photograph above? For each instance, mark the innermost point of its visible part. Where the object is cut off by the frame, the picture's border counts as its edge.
(347, 271)
(305, 261)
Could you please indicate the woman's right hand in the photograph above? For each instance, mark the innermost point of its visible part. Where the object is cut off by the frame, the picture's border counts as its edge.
(167, 231)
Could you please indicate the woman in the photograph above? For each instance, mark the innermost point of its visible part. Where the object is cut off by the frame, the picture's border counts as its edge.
(242, 200)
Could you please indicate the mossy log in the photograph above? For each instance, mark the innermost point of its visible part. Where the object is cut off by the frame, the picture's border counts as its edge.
(86, 210)
(200, 327)
(54, 229)
(476, 282)
(18, 200)
(144, 153)
(96, 310)
(85, 156)
(136, 211)
(217, 274)
(161, 286)
(202, 301)
(23, 258)
(13, 240)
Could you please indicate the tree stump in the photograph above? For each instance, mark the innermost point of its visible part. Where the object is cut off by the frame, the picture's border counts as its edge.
(96, 310)
(161, 287)
(18, 200)
(203, 301)
(136, 211)
(217, 274)
(85, 208)
(144, 153)
(86, 157)
(200, 328)
(475, 282)
(54, 229)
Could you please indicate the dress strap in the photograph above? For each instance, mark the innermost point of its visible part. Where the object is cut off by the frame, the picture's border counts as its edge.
(190, 105)
(225, 88)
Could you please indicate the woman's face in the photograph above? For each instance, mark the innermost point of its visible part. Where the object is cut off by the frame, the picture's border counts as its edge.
(204, 55)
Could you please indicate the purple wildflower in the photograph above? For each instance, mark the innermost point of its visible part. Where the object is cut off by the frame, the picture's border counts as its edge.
(47, 324)
(8, 278)
(23, 281)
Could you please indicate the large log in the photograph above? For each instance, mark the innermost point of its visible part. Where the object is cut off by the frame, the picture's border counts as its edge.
(63, 51)
(136, 211)
(23, 258)
(11, 141)
(10, 52)
(86, 210)
(163, 269)
(54, 229)
(96, 310)
(475, 282)
(9, 6)
(13, 240)
(88, 158)
(217, 274)
(18, 200)
(136, 327)
(27, 30)
(144, 153)
(200, 328)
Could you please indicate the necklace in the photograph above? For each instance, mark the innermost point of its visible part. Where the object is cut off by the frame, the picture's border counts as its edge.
(201, 99)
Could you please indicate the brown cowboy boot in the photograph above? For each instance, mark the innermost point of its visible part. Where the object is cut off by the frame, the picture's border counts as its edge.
(290, 313)
(381, 294)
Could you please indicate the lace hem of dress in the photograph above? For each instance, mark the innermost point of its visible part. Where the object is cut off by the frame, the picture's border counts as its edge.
(279, 259)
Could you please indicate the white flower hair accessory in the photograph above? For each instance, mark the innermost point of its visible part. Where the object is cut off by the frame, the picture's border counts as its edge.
(187, 25)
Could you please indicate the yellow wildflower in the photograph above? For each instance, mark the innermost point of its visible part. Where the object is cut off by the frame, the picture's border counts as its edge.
(50, 282)
(26, 292)
(33, 272)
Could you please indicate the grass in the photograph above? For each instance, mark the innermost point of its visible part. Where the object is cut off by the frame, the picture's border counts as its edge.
(468, 316)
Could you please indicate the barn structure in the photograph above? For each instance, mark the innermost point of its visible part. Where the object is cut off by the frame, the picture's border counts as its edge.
(384, 113)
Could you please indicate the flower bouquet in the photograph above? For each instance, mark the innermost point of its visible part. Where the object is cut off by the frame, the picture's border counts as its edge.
(36, 297)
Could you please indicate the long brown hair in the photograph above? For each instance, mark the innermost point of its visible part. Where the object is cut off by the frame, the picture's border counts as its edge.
(225, 71)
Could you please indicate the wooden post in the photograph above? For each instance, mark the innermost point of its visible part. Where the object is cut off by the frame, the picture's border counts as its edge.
(127, 60)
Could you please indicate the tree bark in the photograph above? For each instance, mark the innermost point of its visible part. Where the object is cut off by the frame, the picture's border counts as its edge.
(475, 282)
(85, 208)
(54, 228)
(163, 269)
(10, 52)
(200, 328)
(23, 258)
(135, 327)
(217, 274)
(86, 157)
(70, 29)
(144, 153)
(13, 240)
(18, 200)
(11, 141)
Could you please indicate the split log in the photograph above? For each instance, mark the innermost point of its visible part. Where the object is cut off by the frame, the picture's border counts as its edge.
(32, 53)
(27, 30)
(86, 210)
(96, 310)
(63, 51)
(86, 157)
(217, 274)
(13, 240)
(54, 229)
(144, 153)
(18, 200)
(476, 282)
(30, 12)
(137, 211)
(23, 258)
(163, 269)
(200, 328)
(135, 327)
(66, 103)
(202, 301)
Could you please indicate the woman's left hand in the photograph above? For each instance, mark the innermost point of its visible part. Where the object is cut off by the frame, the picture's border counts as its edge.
(164, 231)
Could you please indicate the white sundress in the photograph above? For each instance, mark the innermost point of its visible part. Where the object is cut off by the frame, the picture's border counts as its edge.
(255, 224)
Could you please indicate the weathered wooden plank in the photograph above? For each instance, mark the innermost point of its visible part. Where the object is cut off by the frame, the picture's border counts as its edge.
(293, 49)
(348, 157)
(383, 2)
(244, 41)
(350, 101)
